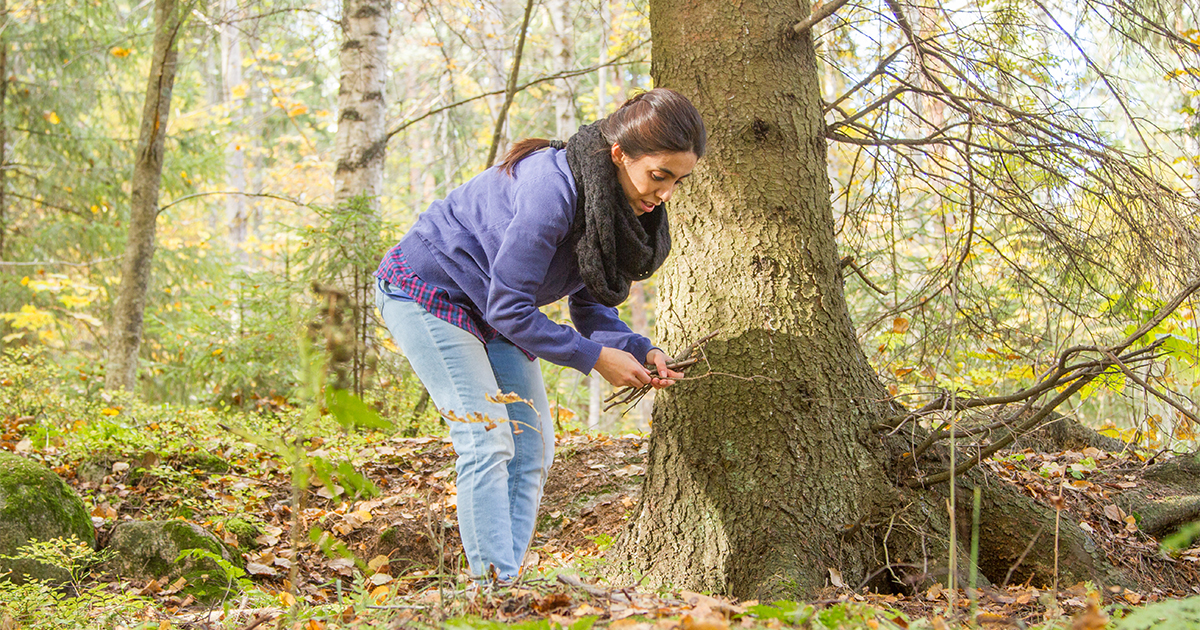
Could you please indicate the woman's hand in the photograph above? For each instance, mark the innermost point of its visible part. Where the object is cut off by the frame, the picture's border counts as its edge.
(621, 369)
(659, 359)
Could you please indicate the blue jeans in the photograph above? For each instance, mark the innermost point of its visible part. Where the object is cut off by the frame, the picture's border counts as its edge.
(501, 471)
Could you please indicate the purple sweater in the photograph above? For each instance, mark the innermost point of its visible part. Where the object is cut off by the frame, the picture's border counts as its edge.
(499, 245)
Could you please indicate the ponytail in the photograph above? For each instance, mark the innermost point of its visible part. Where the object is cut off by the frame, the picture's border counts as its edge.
(521, 150)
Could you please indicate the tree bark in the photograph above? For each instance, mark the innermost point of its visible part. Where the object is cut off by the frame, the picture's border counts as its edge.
(362, 110)
(126, 333)
(755, 474)
(236, 212)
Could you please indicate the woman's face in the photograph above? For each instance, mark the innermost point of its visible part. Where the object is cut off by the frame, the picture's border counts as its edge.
(650, 179)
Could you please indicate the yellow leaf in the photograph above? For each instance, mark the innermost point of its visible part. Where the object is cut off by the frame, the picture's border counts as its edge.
(117, 51)
(380, 594)
(287, 599)
(218, 351)
(51, 117)
(110, 411)
(900, 325)
(239, 90)
(297, 110)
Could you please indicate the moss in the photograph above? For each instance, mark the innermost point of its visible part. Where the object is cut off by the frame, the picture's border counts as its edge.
(245, 531)
(206, 462)
(36, 505)
(151, 550)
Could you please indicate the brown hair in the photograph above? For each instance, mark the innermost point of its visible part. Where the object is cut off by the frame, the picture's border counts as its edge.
(655, 121)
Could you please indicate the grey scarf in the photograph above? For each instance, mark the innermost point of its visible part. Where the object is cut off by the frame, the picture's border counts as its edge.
(614, 246)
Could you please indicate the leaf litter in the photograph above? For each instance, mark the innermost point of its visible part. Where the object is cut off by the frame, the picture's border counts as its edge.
(402, 547)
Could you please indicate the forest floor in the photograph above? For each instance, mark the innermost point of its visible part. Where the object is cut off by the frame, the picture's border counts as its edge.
(406, 565)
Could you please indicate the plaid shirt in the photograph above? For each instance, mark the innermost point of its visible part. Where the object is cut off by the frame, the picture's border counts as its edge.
(395, 271)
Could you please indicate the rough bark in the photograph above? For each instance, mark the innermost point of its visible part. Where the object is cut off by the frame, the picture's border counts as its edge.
(758, 474)
(126, 333)
(362, 110)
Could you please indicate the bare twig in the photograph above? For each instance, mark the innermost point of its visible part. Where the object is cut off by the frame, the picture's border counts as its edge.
(511, 91)
(820, 13)
(1078, 375)
(683, 360)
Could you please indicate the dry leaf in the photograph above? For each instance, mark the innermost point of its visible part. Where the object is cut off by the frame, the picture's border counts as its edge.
(254, 568)
(379, 563)
(379, 579)
(835, 578)
(1114, 513)
(710, 621)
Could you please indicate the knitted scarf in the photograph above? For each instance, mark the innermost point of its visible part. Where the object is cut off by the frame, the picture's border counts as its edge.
(614, 246)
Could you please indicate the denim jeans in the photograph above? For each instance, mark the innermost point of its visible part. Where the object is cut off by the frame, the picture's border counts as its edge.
(500, 471)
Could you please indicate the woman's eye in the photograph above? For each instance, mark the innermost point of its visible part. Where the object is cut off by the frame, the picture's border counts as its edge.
(657, 178)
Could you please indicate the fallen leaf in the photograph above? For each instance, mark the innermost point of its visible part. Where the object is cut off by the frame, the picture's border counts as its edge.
(835, 578)
(254, 568)
(1114, 513)
(379, 579)
(551, 603)
(379, 563)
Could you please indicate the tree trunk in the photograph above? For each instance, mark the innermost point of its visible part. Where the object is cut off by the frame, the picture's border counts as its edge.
(3, 128)
(563, 52)
(126, 335)
(362, 110)
(236, 212)
(756, 473)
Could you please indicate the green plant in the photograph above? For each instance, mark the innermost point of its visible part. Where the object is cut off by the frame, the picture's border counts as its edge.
(39, 605)
(235, 576)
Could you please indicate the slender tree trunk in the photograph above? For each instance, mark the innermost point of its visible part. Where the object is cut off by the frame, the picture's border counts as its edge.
(126, 334)
(755, 474)
(3, 126)
(511, 89)
(360, 150)
(602, 73)
(236, 213)
(562, 49)
(362, 110)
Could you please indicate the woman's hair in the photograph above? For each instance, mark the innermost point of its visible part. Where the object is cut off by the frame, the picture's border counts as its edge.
(655, 121)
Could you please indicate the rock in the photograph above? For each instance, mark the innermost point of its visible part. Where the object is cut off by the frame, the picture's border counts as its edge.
(150, 550)
(245, 531)
(36, 505)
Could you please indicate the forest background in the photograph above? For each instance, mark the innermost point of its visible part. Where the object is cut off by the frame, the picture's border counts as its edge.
(250, 216)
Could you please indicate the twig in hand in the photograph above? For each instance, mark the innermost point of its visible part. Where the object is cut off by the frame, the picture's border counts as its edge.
(682, 361)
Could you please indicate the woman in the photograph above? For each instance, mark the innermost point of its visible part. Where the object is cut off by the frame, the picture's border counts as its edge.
(460, 294)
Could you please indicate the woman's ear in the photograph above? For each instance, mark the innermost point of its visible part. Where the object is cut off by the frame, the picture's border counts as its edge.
(618, 156)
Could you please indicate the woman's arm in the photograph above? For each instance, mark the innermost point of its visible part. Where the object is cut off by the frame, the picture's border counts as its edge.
(540, 225)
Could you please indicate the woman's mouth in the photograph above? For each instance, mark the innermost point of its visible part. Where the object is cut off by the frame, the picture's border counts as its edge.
(646, 206)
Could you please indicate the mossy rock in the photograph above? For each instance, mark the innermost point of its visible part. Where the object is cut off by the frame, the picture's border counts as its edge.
(207, 462)
(36, 505)
(151, 549)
